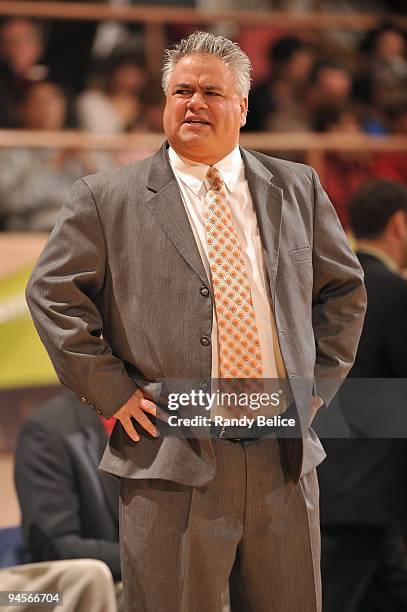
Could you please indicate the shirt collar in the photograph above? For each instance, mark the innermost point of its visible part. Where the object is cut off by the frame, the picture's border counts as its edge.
(193, 174)
(375, 252)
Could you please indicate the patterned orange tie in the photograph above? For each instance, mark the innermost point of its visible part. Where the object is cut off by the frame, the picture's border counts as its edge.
(238, 336)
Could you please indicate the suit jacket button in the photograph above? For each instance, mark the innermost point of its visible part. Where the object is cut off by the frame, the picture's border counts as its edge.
(204, 291)
(205, 340)
(98, 410)
(84, 400)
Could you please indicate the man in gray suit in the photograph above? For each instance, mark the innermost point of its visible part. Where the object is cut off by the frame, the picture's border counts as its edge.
(204, 261)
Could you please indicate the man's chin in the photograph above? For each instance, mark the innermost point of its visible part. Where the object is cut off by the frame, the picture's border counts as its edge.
(194, 135)
(193, 142)
(194, 150)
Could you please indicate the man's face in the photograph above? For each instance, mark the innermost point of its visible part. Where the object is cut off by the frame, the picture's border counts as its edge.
(20, 45)
(334, 83)
(45, 108)
(203, 112)
(299, 67)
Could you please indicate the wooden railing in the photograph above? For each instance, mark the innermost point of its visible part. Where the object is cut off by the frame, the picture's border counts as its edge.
(312, 146)
(94, 11)
(155, 18)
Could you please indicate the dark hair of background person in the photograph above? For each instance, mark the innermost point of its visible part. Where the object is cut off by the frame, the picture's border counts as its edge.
(373, 205)
(285, 48)
(125, 57)
(122, 59)
(368, 43)
(102, 72)
(329, 116)
(53, 113)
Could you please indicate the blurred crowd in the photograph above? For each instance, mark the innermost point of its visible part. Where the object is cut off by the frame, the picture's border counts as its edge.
(103, 85)
(306, 91)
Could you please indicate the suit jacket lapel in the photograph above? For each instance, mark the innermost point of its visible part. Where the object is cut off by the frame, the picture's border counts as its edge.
(267, 199)
(165, 203)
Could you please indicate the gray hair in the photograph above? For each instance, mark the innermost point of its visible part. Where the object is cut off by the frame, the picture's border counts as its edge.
(206, 43)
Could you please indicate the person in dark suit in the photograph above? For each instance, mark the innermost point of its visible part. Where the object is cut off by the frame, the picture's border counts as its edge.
(69, 509)
(363, 499)
(129, 298)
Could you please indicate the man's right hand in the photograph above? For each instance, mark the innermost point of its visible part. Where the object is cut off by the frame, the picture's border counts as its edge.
(136, 407)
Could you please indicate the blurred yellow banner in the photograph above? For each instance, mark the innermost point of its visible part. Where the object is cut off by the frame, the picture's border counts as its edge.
(23, 360)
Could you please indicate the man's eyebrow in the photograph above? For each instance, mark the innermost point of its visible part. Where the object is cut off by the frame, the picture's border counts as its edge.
(189, 86)
(183, 85)
(212, 87)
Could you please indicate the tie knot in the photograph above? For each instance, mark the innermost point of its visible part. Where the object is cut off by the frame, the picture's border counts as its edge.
(214, 177)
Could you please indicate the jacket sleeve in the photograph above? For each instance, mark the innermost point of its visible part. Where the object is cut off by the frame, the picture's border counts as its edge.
(62, 295)
(339, 298)
(50, 504)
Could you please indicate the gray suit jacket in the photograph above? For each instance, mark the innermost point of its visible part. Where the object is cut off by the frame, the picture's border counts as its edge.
(116, 298)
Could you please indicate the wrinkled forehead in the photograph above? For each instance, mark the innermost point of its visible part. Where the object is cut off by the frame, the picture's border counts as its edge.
(203, 70)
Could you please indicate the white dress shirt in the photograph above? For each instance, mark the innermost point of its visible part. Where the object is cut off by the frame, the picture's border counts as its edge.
(193, 184)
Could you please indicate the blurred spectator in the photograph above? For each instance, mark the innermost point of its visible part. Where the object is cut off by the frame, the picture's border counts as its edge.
(69, 509)
(281, 93)
(85, 585)
(393, 164)
(330, 83)
(378, 218)
(153, 102)
(21, 46)
(21, 64)
(362, 481)
(152, 107)
(69, 46)
(116, 107)
(384, 65)
(35, 182)
(43, 107)
(344, 171)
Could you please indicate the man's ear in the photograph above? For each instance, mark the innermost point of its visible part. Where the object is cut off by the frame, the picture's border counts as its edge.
(243, 111)
(399, 223)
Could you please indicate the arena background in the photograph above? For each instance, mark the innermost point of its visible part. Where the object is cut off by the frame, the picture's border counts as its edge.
(349, 123)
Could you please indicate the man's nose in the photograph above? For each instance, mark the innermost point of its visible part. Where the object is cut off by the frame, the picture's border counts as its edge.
(197, 100)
